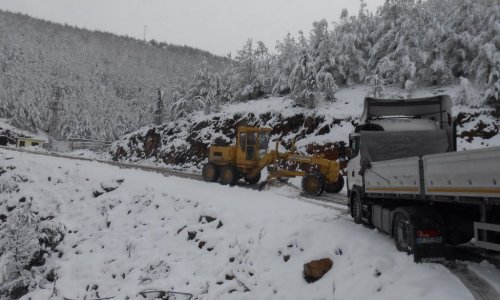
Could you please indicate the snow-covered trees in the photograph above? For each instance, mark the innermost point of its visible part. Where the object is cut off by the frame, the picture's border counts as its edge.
(252, 71)
(109, 82)
(284, 64)
(406, 42)
(25, 242)
(303, 81)
(323, 61)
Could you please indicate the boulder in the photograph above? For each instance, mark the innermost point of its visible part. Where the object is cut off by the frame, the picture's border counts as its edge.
(315, 269)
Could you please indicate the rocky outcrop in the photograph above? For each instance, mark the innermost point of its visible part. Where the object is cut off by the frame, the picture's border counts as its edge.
(186, 142)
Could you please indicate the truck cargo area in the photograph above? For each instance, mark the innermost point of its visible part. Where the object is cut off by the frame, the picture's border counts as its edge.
(406, 178)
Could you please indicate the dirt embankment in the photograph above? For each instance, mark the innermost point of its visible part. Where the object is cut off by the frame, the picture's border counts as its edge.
(185, 143)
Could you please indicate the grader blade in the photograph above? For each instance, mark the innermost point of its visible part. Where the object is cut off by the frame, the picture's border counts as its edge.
(272, 183)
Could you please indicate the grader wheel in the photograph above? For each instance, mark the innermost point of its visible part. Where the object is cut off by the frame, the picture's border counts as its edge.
(210, 172)
(335, 187)
(253, 180)
(313, 184)
(228, 175)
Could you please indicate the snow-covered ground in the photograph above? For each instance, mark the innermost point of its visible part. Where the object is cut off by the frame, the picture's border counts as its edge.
(136, 237)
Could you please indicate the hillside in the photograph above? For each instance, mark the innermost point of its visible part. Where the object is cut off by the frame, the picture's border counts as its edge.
(106, 84)
(184, 143)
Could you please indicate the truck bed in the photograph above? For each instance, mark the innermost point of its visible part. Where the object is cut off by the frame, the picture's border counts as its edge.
(469, 174)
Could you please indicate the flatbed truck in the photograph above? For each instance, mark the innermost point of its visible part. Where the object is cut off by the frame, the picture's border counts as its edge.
(406, 178)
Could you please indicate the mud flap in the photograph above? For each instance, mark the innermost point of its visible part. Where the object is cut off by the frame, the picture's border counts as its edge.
(428, 232)
(429, 245)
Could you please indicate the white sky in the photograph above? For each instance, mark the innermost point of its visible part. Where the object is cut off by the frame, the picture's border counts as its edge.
(219, 26)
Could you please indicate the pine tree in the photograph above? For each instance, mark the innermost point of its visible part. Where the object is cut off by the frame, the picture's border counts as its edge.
(246, 73)
(285, 62)
(323, 61)
(303, 81)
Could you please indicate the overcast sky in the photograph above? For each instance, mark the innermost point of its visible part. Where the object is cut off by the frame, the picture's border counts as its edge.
(219, 26)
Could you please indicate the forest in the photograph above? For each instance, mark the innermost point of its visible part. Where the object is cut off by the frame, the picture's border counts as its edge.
(108, 86)
(101, 85)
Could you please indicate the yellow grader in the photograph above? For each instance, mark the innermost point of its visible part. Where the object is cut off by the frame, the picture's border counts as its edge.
(250, 155)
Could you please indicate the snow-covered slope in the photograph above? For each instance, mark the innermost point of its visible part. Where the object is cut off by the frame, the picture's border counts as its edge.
(129, 230)
(184, 142)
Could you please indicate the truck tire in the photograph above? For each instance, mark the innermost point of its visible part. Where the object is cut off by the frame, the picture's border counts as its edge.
(210, 172)
(335, 187)
(356, 208)
(313, 184)
(253, 180)
(228, 175)
(403, 233)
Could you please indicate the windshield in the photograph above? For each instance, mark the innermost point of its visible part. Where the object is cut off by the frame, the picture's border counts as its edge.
(263, 142)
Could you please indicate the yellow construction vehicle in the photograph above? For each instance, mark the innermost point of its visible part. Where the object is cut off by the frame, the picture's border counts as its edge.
(250, 155)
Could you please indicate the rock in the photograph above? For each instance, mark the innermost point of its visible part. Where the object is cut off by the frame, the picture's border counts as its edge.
(191, 235)
(51, 276)
(219, 225)
(97, 193)
(315, 269)
(207, 219)
(19, 290)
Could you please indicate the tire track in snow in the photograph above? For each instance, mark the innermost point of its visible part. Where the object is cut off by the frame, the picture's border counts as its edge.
(479, 288)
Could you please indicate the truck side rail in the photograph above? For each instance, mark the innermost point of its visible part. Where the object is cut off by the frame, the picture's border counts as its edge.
(471, 173)
(398, 176)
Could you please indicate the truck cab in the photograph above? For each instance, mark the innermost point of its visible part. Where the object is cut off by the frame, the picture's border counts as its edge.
(392, 129)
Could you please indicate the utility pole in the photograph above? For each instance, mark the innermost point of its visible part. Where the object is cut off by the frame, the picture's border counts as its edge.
(145, 31)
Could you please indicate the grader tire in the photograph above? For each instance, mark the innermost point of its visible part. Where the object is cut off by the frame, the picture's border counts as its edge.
(228, 175)
(313, 184)
(253, 180)
(335, 187)
(210, 172)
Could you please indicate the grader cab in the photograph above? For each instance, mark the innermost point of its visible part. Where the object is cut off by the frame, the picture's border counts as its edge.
(250, 155)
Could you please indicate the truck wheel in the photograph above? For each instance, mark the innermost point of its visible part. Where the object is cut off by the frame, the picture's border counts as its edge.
(356, 209)
(403, 234)
(210, 172)
(313, 184)
(253, 180)
(228, 175)
(335, 187)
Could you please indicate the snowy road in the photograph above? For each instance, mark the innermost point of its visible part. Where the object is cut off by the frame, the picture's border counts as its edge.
(128, 230)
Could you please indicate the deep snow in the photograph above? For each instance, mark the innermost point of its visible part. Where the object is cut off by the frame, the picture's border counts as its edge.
(136, 237)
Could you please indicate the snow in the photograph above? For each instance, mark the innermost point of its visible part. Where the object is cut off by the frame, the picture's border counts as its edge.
(135, 237)
(41, 135)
